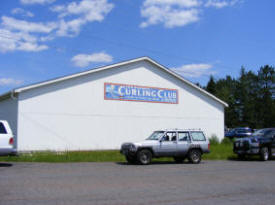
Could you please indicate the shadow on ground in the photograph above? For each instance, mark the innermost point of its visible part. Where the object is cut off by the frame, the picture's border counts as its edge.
(249, 158)
(157, 163)
(5, 164)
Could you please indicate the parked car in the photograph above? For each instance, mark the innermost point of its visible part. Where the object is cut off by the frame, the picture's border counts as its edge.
(179, 144)
(6, 139)
(239, 132)
(262, 143)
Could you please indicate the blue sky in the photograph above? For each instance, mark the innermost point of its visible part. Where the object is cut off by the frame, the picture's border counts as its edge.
(44, 39)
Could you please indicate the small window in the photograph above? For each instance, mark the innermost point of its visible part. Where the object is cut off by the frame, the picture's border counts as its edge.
(197, 136)
(170, 136)
(2, 129)
(183, 136)
(270, 133)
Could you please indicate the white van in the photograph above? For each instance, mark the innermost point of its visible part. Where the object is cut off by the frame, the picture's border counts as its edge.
(6, 139)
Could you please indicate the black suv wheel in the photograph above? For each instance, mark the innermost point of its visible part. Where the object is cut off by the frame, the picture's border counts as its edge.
(144, 157)
(194, 156)
(264, 154)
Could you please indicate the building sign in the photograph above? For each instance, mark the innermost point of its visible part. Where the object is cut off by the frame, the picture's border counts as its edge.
(114, 91)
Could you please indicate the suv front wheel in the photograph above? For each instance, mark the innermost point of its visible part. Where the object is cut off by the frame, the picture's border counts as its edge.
(144, 157)
(194, 156)
(264, 153)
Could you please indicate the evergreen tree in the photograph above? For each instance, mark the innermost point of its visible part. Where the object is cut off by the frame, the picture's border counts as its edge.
(211, 85)
(266, 77)
(251, 97)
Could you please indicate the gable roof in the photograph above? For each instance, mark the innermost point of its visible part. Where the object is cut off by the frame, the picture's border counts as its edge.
(36, 85)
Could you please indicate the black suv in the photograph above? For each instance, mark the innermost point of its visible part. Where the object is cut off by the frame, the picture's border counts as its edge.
(261, 142)
(239, 132)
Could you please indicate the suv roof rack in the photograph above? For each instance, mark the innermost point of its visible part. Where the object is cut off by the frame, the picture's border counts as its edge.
(186, 129)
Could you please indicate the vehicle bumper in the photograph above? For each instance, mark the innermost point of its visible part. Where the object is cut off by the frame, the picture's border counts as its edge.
(253, 150)
(244, 147)
(8, 151)
(127, 152)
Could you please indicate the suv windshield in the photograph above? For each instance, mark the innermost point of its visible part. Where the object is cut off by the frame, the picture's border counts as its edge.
(156, 135)
(260, 132)
(243, 131)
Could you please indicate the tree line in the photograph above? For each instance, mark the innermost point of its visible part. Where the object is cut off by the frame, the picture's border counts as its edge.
(251, 97)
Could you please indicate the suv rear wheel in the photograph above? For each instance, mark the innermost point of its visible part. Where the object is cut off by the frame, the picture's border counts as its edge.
(144, 157)
(194, 156)
(264, 154)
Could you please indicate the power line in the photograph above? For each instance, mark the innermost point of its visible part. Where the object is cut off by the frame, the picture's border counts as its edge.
(120, 44)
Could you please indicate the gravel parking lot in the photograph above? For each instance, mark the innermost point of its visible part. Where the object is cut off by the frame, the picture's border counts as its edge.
(211, 182)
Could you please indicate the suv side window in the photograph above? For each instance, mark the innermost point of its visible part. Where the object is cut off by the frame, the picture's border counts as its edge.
(197, 136)
(170, 136)
(2, 129)
(270, 134)
(183, 136)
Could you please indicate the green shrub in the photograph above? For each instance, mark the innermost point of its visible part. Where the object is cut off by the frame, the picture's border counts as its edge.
(214, 140)
(227, 141)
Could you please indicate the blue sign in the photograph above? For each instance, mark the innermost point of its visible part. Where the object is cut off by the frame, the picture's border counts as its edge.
(114, 91)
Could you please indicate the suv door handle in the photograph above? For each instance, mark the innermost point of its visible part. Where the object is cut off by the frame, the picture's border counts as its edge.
(175, 142)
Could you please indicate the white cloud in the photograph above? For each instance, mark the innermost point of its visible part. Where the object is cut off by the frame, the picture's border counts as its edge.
(194, 70)
(10, 82)
(26, 26)
(83, 60)
(183, 3)
(28, 46)
(171, 13)
(220, 3)
(20, 41)
(22, 12)
(70, 28)
(178, 13)
(37, 1)
(84, 12)
(71, 18)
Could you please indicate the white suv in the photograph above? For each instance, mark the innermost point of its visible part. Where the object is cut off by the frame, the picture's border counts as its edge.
(176, 143)
(6, 139)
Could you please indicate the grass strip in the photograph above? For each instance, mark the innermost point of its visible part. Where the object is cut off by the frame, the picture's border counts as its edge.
(218, 152)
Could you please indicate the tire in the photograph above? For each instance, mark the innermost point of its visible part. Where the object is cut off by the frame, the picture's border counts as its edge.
(194, 156)
(131, 160)
(264, 154)
(179, 159)
(144, 157)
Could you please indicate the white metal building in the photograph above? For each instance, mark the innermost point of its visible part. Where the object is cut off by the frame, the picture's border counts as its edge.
(103, 107)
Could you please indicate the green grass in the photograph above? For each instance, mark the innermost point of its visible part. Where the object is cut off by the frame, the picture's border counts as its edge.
(218, 152)
(75, 156)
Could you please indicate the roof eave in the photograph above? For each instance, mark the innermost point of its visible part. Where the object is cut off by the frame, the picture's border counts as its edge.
(18, 90)
(188, 82)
